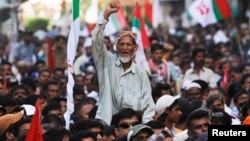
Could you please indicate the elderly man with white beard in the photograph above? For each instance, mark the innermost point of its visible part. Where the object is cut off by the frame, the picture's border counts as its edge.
(122, 83)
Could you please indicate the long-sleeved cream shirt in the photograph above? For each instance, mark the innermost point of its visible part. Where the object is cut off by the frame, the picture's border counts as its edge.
(119, 89)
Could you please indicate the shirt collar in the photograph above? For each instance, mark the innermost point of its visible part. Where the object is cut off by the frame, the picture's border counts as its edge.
(131, 68)
(202, 69)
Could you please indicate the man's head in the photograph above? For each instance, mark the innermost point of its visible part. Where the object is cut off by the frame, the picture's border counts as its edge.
(78, 93)
(157, 52)
(43, 75)
(79, 80)
(19, 93)
(63, 103)
(27, 36)
(245, 81)
(108, 43)
(83, 108)
(92, 125)
(52, 108)
(139, 132)
(209, 61)
(108, 133)
(51, 89)
(215, 102)
(87, 46)
(22, 127)
(161, 89)
(240, 97)
(58, 73)
(154, 40)
(52, 121)
(6, 68)
(245, 68)
(126, 46)
(54, 134)
(60, 42)
(124, 120)
(193, 91)
(84, 136)
(168, 107)
(197, 122)
(198, 56)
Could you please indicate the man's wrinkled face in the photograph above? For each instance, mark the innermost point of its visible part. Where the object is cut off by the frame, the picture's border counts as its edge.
(126, 49)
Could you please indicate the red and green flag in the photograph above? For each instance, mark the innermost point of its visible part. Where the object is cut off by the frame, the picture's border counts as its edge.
(142, 40)
(71, 53)
(116, 22)
(148, 17)
(209, 11)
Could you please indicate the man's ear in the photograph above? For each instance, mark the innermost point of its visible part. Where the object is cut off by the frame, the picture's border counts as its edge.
(167, 111)
(116, 47)
(9, 136)
(190, 134)
(117, 132)
(136, 47)
(248, 112)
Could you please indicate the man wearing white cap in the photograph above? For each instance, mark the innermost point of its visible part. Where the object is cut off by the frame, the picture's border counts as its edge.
(193, 91)
(84, 62)
(168, 110)
(183, 89)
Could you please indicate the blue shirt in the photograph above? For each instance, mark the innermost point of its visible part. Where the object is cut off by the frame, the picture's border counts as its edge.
(25, 53)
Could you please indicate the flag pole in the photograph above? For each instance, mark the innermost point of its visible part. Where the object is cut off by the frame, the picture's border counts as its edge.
(238, 38)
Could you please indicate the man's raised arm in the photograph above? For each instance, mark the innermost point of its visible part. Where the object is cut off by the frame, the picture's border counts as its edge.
(98, 46)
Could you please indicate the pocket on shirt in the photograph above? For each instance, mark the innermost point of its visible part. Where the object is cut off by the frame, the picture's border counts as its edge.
(131, 98)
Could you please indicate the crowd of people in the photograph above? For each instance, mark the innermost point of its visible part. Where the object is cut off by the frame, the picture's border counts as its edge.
(198, 77)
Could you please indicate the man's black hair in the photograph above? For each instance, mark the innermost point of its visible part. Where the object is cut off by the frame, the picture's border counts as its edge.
(155, 47)
(125, 113)
(198, 50)
(49, 107)
(85, 124)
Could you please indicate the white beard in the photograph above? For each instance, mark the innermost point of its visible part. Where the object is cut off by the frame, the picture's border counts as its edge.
(125, 59)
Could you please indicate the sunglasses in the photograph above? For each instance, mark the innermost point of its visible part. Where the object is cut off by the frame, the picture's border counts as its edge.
(126, 125)
(96, 133)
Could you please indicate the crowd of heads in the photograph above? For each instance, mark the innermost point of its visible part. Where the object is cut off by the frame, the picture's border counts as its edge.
(184, 108)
